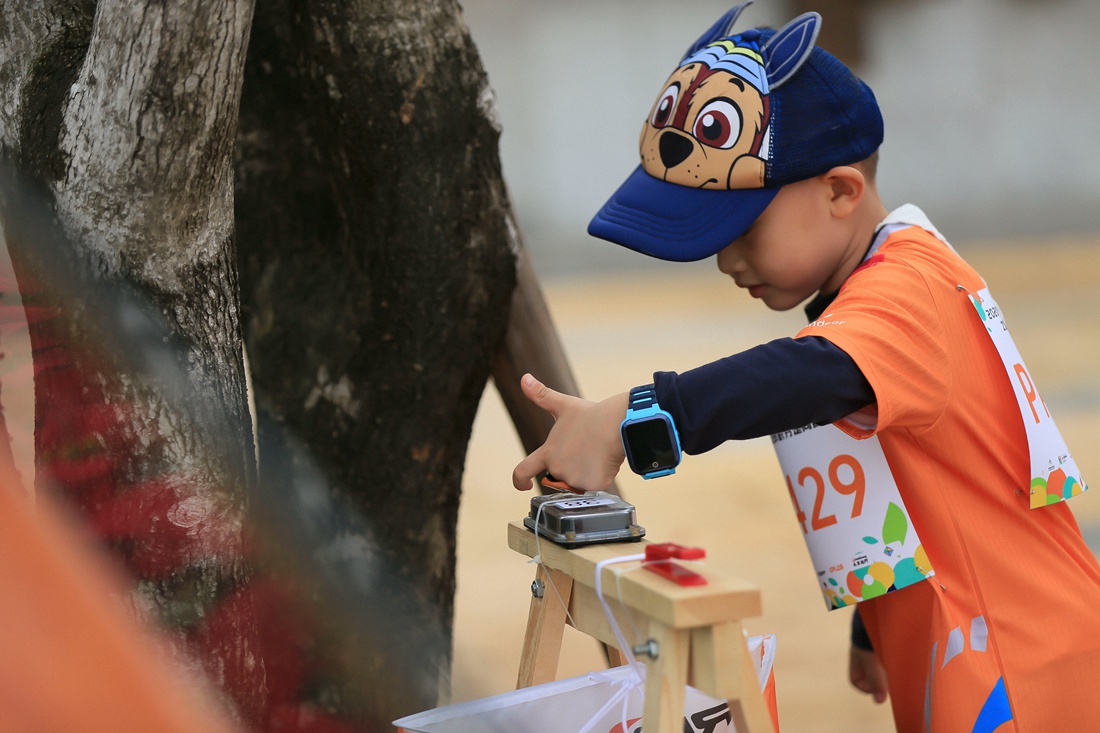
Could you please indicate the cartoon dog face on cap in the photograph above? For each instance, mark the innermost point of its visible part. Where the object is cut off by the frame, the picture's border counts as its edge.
(707, 127)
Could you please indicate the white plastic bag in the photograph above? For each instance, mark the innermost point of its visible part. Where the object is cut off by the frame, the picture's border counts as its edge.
(581, 703)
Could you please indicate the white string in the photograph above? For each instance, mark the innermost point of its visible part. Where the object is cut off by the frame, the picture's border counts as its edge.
(625, 686)
(623, 646)
(634, 680)
(619, 593)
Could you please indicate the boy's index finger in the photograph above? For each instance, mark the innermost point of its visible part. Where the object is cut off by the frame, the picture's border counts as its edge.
(527, 470)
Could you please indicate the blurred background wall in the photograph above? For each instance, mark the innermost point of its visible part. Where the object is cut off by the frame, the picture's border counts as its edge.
(992, 107)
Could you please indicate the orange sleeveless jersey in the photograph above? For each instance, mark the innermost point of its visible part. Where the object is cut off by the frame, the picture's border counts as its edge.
(1006, 636)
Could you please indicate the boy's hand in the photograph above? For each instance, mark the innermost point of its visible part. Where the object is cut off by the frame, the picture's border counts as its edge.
(866, 673)
(583, 448)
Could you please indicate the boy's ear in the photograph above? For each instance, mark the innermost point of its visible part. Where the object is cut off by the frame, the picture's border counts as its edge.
(846, 188)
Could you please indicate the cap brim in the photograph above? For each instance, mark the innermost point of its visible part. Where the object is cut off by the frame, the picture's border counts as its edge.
(674, 222)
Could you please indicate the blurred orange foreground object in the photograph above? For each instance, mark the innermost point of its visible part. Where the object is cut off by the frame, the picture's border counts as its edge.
(72, 660)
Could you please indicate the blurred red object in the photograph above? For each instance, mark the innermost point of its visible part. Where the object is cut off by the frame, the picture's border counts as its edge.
(74, 659)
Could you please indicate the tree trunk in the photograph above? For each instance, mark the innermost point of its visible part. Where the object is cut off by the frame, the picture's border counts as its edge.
(120, 116)
(376, 250)
(377, 260)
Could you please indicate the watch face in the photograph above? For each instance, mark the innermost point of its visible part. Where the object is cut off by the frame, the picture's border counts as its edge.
(650, 445)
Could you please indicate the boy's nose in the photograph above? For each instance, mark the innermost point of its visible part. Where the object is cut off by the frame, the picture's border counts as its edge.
(729, 262)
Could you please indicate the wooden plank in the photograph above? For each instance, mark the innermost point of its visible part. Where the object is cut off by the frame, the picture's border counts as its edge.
(722, 667)
(710, 646)
(545, 628)
(663, 711)
(723, 598)
(748, 710)
(589, 617)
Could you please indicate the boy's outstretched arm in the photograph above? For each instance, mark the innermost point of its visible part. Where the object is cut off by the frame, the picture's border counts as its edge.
(583, 448)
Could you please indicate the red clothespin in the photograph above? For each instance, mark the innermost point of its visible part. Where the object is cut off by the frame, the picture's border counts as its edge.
(659, 557)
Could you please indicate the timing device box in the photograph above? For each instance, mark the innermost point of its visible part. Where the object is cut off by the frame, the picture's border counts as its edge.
(572, 520)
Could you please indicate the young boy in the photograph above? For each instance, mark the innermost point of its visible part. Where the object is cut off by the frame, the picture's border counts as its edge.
(926, 472)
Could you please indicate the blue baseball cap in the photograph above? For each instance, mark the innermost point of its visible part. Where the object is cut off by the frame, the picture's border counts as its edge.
(741, 116)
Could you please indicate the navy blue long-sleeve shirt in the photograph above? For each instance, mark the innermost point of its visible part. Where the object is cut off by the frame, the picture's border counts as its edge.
(785, 384)
(782, 385)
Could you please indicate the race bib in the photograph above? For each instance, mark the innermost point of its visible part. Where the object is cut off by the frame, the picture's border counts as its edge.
(861, 539)
(1054, 474)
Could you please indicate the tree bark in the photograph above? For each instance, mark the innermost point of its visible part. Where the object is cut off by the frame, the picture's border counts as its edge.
(377, 260)
(376, 255)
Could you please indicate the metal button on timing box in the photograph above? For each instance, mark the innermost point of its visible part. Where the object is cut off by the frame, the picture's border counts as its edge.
(572, 520)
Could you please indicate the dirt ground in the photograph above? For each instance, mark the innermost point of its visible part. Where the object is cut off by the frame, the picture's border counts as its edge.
(616, 331)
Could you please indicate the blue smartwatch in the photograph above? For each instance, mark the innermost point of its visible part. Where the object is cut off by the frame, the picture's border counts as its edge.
(649, 435)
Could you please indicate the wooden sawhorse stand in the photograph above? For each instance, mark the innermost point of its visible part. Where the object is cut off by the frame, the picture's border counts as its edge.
(697, 629)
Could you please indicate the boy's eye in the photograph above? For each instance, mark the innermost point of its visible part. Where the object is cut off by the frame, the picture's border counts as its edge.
(718, 124)
(666, 105)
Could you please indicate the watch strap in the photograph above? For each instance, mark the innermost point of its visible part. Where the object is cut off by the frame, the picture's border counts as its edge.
(642, 398)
